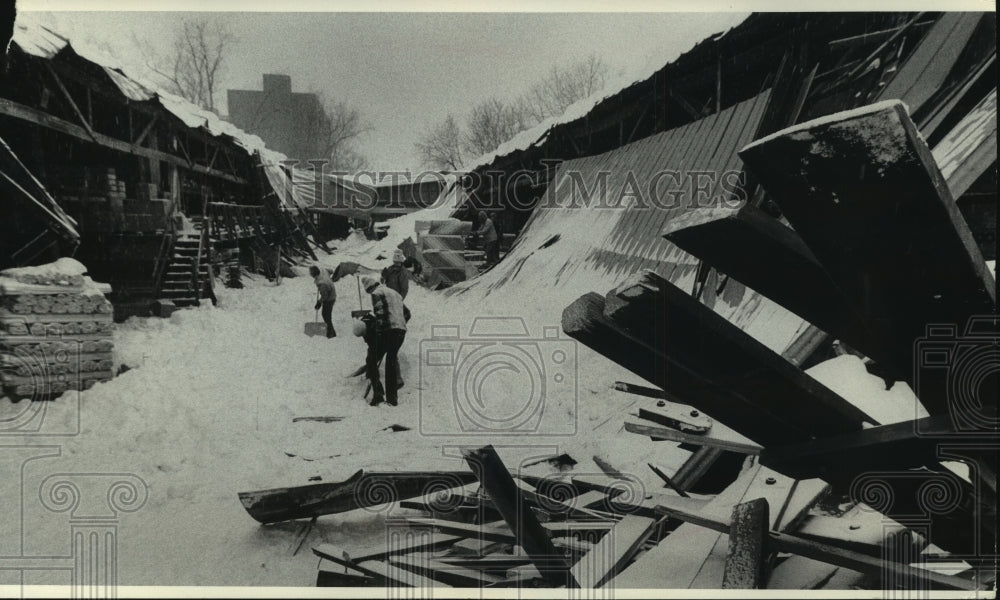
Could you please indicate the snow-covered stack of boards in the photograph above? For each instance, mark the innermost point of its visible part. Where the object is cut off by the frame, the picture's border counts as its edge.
(55, 330)
(442, 250)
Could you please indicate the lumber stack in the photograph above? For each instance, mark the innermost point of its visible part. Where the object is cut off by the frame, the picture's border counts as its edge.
(441, 250)
(55, 330)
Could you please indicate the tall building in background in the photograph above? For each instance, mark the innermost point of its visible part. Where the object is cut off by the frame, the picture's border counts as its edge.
(290, 122)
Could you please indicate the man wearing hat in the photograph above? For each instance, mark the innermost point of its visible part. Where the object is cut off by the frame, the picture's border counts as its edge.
(397, 276)
(389, 332)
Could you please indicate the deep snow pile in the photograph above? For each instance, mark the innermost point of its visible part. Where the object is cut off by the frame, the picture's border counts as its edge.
(207, 411)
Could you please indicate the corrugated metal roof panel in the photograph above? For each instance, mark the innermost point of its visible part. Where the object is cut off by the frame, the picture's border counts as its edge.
(602, 240)
(971, 147)
(929, 65)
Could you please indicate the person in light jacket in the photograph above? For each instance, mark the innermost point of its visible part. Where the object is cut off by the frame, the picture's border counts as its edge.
(327, 296)
(389, 333)
(397, 276)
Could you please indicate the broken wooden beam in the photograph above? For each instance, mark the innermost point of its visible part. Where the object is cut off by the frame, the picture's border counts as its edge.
(743, 446)
(746, 561)
(530, 534)
(697, 339)
(878, 567)
(914, 263)
(707, 362)
(746, 243)
(363, 489)
(903, 445)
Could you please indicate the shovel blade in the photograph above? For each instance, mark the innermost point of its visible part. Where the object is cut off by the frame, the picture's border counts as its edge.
(313, 329)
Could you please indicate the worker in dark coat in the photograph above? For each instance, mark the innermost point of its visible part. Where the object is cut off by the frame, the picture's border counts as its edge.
(397, 276)
(389, 333)
(327, 295)
(488, 234)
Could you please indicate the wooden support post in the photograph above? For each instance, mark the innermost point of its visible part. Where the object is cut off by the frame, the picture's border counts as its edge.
(914, 265)
(746, 561)
(500, 487)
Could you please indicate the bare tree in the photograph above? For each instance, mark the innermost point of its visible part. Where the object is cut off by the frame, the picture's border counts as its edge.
(495, 121)
(441, 146)
(492, 123)
(565, 85)
(333, 129)
(194, 66)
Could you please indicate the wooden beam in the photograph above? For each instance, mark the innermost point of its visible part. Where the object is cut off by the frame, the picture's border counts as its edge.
(72, 104)
(744, 242)
(914, 265)
(667, 481)
(746, 561)
(903, 445)
(145, 132)
(500, 487)
(26, 113)
(696, 466)
(615, 550)
(364, 488)
(693, 112)
(707, 362)
(666, 433)
(877, 567)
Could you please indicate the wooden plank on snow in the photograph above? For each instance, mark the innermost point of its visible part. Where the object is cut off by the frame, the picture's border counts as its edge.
(363, 489)
(914, 263)
(609, 556)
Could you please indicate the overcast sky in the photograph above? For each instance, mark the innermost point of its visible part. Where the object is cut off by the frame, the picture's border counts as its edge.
(407, 71)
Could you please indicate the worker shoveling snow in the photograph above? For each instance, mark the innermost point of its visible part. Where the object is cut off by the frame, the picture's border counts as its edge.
(213, 403)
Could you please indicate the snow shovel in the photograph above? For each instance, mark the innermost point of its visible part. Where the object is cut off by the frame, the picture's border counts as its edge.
(316, 327)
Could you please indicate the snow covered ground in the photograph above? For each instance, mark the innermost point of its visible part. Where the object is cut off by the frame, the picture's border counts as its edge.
(207, 407)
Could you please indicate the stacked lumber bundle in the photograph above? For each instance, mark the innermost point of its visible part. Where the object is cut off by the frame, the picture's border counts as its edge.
(442, 252)
(55, 330)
